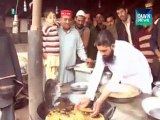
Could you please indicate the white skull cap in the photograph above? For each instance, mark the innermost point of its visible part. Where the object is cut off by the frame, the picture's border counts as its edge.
(80, 13)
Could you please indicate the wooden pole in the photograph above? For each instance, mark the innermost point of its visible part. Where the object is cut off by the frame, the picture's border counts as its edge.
(35, 72)
(36, 14)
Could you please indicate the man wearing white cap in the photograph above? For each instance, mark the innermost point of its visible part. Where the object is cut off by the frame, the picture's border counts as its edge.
(79, 25)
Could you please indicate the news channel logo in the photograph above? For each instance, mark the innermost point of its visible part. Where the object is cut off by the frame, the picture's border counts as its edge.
(143, 17)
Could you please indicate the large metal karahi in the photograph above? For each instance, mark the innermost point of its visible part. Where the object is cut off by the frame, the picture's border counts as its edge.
(64, 102)
(105, 113)
(52, 94)
(107, 109)
(54, 99)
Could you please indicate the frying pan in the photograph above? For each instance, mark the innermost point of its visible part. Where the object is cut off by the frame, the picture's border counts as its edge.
(151, 106)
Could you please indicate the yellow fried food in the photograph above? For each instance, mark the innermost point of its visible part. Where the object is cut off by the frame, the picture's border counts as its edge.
(89, 110)
(53, 116)
(72, 115)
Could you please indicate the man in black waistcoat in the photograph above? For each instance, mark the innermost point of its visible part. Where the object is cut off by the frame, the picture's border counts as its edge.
(126, 28)
(10, 74)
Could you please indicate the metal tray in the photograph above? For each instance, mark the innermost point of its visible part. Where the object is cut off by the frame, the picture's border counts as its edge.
(79, 86)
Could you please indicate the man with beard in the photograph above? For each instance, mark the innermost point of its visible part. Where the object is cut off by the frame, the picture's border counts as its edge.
(99, 20)
(83, 30)
(128, 65)
(111, 25)
(92, 50)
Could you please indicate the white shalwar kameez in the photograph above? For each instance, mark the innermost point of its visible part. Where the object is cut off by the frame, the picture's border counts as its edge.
(129, 67)
(70, 45)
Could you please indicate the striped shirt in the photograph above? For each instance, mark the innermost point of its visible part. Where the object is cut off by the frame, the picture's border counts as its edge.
(143, 44)
(50, 40)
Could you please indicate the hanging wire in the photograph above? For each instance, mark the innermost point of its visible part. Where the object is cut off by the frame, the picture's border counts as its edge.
(99, 4)
(16, 7)
(57, 10)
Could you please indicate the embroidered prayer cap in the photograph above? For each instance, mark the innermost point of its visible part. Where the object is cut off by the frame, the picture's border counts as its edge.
(66, 13)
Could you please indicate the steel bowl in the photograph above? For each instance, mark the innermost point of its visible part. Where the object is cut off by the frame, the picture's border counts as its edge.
(107, 110)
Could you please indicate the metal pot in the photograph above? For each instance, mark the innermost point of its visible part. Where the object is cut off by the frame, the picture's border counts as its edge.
(156, 89)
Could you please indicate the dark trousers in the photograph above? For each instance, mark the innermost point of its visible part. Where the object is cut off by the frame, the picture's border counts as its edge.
(155, 68)
(7, 113)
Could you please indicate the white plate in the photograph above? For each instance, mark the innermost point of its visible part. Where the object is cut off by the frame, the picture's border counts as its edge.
(151, 103)
(79, 86)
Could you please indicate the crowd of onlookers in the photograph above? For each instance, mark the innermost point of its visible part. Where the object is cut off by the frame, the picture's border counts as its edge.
(71, 40)
(122, 26)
